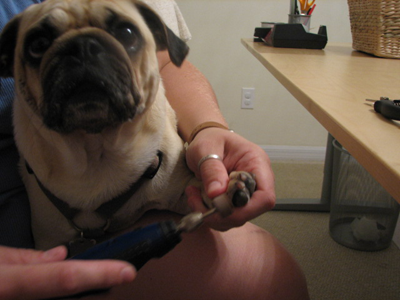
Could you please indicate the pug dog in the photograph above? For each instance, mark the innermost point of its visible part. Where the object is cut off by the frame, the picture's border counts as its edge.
(97, 137)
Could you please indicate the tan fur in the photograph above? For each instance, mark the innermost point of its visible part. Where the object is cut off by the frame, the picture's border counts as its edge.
(83, 164)
(89, 169)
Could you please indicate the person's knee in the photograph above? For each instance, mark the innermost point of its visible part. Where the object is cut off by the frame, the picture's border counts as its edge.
(268, 270)
(290, 280)
(242, 263)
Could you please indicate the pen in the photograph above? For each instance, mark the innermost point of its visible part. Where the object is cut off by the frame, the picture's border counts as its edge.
(310, 11)
(305, 6)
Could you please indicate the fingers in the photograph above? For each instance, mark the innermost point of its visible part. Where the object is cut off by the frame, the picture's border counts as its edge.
(212, 172)
(264, 196)
(238, 154)
(215, 221)
(214, 177)
(29, 256)
(61, 278)
(30, 274)
(263, 199)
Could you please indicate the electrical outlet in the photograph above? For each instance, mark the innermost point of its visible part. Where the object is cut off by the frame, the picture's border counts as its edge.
(248, 98)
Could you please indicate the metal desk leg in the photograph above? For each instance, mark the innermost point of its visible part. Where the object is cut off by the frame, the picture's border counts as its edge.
(323, 204)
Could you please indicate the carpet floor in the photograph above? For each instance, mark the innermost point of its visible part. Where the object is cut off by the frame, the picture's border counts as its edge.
(333, 272)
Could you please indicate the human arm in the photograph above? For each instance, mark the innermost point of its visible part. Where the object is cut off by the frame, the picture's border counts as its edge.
(194, 101)
(190, 95)
(28, 274)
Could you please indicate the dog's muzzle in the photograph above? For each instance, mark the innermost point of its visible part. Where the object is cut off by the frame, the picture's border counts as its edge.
(87, 85)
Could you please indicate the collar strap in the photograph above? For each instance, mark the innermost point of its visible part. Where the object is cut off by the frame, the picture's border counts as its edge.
(107, 209)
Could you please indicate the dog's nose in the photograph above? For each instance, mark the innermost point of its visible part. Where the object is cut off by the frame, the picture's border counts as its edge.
(92, 48)
(85, 48)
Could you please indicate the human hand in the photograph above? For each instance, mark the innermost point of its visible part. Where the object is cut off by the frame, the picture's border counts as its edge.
(238, 154)
(29, 274)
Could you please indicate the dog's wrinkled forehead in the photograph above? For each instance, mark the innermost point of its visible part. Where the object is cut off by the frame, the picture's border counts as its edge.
(131, 23)
(62, 16)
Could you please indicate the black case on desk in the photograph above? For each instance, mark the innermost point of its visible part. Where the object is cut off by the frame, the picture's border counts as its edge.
(292, 36)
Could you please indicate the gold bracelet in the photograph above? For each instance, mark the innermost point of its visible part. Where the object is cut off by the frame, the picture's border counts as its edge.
(204, 126)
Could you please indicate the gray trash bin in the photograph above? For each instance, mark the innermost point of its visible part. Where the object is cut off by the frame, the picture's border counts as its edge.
(363, 215)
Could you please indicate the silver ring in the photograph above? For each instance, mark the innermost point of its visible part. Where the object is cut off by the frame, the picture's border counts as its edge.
(207, 157)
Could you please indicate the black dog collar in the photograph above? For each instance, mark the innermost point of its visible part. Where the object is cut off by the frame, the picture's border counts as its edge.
(107, 209)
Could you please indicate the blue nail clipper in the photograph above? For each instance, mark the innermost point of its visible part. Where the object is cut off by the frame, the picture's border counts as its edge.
(139, 246)
(152, 241)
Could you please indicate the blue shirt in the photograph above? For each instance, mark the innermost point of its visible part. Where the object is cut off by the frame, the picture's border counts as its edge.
(14, 206)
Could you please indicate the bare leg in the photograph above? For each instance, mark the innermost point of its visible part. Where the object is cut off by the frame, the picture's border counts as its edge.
(242, 263)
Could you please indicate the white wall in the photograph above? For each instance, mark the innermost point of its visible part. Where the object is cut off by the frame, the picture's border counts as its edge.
(217, 27)
(277, 119)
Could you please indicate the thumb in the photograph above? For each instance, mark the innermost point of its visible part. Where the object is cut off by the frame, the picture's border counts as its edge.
(214, 177)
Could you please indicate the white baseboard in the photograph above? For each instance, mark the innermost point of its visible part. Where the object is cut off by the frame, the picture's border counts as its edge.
(295, 153)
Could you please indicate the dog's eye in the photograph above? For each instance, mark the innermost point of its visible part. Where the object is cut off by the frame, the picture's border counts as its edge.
(38, 47)
(128, 36)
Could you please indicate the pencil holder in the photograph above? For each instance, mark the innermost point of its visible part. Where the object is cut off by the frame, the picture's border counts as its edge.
(375, 26)
(363, 215)
(300, 19)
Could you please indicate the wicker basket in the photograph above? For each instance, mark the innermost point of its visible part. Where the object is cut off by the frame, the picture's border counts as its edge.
(375, 26)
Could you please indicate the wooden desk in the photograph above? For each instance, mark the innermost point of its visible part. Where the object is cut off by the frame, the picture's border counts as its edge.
(332, 84)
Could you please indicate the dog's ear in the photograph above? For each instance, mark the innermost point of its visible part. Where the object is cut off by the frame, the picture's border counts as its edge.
(164, 37)
(8, 41)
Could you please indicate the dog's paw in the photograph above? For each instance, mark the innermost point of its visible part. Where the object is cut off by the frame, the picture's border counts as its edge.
(241, 187)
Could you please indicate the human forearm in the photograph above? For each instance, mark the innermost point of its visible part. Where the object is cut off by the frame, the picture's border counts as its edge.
(194, 101)
(190, 94)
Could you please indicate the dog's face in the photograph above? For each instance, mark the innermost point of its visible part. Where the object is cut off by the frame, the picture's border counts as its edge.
(86, 64)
